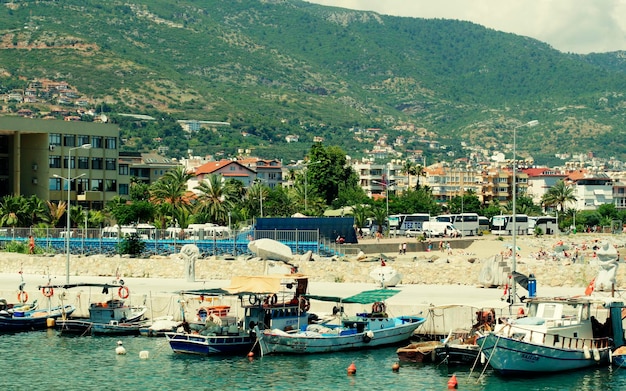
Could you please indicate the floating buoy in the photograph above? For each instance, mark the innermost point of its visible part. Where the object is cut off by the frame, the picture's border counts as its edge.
(395, 367)
(610, 356)
(352, 369)
(483, 358)
(120, 349)
(520, 312)
(50, 322)
(251, 354)
(586, 352)
(596, 354)
(144, 354)
(453, 383)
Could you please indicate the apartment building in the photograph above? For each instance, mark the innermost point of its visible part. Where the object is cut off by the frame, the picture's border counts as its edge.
(39, 157)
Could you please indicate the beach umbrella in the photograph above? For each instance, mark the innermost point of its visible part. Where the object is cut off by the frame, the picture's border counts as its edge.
(510, 246)
(521, 279)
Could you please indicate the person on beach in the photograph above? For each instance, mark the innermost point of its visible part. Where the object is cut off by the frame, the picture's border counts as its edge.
(31, 244)
(404, 248)
(441, 245)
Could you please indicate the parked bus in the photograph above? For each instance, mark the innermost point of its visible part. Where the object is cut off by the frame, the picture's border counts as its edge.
(402, 222)
(465, 223)
(547, 224)
(503, 224)
(483, 225)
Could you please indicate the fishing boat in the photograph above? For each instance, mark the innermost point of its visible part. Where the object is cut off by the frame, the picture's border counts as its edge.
(266, 301)
(159, 326)
(26, 318)
(109, 316)
(618, 357)
(423, 352)
(557, 334)
(365, 330)
(464, 352)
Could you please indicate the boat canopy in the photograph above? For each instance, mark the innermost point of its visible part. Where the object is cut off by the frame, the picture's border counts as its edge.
(261, 284)
(365, 297)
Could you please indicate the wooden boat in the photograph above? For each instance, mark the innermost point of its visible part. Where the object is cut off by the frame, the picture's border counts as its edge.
(418, 352)
(365, 330)
(26, 319)
(618, 357)
(105, 315)
(266, 300)
(458, 353)
(117, 328)
(558, 334)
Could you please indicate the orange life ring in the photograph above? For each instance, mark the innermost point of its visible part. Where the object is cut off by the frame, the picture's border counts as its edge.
(47, 291)
(304, 304)
(123, 292)
(22, 297)
(378, 307)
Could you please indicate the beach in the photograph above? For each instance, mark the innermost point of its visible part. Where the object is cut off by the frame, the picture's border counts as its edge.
(428, 277)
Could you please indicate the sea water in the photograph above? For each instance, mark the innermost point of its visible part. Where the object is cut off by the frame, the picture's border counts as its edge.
(44, 360)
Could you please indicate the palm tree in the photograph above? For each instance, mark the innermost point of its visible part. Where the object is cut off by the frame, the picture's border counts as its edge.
(170, 192)
(12, 211)
(559, 195)
(37, 210)
(419, 172)
(56, 211)
(216, 199)
(254, 197)
(409, 169)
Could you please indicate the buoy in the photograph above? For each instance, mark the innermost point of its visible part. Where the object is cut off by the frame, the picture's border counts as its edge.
(120, 349)
(586, 352)
(352, 369)
(453, 383)
(251, 354)
(50, 322)
(610, 356)
(596, 354)
(144, 354)
(395, 367)
(483, 358)
(520, 312)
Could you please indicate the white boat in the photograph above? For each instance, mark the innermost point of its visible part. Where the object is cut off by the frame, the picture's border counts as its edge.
(271, 249)
(557, 334)
(365, 330)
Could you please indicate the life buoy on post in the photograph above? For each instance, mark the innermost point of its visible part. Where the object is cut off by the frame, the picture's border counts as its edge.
(253, 299)
(123, 292)
(22, 297)
(273, 299)
(378, 307)
(304, 304)
(47, 291)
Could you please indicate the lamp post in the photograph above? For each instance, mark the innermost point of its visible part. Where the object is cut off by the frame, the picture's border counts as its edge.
(530, 124)
(69, 180)
(306, 175)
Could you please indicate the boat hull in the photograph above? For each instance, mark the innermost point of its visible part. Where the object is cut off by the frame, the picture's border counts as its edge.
(418, 352)
(513, 357)
(274, 342)
(33, 320)
(457, 354)
(208, 345)
(116, 329)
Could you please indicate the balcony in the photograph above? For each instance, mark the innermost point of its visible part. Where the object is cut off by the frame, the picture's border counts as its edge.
(90, 196)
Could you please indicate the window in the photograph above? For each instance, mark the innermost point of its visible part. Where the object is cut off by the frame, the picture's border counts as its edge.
(110, 185)
(96, 163)
(82, 185)
(96, 142)
(96, 185)
(73, 162)
(110, 163)
(54, 139)
(110, 143)
(69, 140)
(54, 184)
(123, 189)
(123, 169)
(83, 162)
(82, 140)
(54, 161)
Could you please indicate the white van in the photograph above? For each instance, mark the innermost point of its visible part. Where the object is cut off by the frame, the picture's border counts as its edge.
(440, 229)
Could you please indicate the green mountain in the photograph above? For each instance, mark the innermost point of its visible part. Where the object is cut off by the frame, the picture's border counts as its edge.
(274, 68)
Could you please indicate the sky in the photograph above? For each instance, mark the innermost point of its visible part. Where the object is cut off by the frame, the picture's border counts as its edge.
(576, 26)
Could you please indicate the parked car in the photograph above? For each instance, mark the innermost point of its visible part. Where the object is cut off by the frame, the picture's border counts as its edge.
(415, 232)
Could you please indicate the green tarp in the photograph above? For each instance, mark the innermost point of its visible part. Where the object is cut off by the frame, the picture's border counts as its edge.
(365, 297)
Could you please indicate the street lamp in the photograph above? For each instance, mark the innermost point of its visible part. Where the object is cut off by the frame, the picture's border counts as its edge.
(69, 180)
(529, 124)
(306, 175)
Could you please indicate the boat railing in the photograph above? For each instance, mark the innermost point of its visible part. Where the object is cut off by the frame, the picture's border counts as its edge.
(564, 342)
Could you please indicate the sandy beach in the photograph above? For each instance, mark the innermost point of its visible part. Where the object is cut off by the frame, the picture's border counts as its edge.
(429, 278)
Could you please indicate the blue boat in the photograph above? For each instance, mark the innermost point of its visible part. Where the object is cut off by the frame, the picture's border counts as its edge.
(618, 357)
(26, 319)
(274, 301)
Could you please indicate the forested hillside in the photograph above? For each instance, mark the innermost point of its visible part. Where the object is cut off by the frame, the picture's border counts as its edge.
(278, 68)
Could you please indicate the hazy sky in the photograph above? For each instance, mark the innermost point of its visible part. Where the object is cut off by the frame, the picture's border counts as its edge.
(578, 26)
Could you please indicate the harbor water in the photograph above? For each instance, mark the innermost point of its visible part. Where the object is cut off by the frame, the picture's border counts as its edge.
(46, 360)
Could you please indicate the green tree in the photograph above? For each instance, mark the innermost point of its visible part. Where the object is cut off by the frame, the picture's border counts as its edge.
(170, 193)
(332, 170)
(559, 196)
(217, 198)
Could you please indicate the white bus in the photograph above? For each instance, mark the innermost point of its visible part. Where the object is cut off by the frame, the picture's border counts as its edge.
(466, 223)
(503, 224)
(547, 224)
(402, 222)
